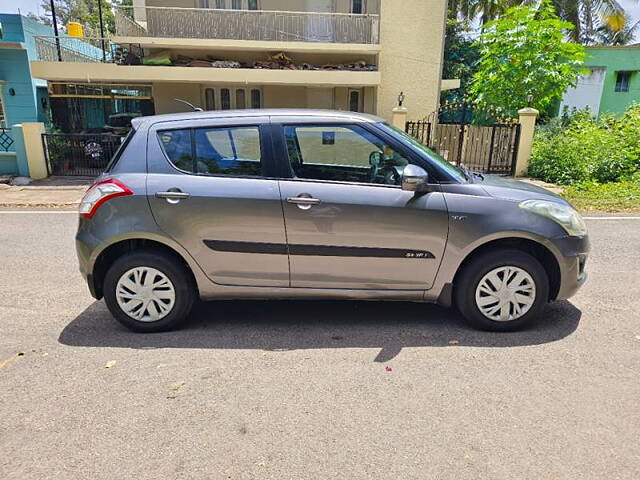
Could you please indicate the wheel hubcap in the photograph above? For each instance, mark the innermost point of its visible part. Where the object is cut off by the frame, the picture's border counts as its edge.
(505, 294)
(145, 294)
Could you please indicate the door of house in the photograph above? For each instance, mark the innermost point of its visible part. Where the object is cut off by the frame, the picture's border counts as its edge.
(320, 24)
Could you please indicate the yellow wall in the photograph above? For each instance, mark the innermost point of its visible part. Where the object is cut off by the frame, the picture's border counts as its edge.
(164, 93)
(274, 96)
(320, 98)
(412, 38)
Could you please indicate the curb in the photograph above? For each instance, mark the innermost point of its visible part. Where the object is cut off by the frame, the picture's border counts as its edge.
(67, 205)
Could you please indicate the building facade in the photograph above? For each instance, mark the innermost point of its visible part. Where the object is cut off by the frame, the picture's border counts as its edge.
(22, 97)
(223, 54)
(611, 84)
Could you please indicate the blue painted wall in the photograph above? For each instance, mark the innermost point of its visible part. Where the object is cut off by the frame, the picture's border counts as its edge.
(23, 96)
(25, 104)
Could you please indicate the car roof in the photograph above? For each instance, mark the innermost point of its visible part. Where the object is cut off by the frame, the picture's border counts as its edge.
(337, 115)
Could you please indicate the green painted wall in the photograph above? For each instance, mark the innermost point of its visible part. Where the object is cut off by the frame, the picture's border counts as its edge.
(616, 59)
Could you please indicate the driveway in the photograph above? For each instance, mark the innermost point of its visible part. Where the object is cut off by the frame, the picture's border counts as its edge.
(313, 390)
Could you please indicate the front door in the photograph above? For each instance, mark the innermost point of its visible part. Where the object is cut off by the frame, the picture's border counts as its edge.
(320, 28)
(208, 189)
(349, 224)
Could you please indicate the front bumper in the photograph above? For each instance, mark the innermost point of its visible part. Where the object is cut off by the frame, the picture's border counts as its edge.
(574, 252)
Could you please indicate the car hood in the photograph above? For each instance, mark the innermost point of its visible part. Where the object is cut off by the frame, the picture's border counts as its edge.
(516, 191)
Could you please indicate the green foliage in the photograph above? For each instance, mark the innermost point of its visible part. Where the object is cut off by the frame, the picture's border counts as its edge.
(605, 197)
(600, 21)
(588, 149)
(81, 11)
(461, 57)
(525, 53)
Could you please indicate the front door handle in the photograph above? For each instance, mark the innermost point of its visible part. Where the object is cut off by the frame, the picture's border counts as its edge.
(304, 201)
(173, 195)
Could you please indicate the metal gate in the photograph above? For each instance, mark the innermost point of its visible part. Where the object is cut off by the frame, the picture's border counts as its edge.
(476, 138)
(79, 153)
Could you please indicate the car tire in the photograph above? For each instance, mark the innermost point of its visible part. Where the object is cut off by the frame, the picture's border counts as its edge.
(130, 279)
(475, 292)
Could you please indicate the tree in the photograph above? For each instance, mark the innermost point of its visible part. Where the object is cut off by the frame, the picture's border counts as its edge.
(461, 57)
(588, 16)
(616, 33)
(525, 53)
(81, 11)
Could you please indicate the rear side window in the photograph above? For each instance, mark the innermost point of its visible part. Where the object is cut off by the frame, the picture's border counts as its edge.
(214, 151)
(120, 151)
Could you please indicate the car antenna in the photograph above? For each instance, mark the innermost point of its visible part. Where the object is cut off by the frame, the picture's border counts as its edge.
(193, 107)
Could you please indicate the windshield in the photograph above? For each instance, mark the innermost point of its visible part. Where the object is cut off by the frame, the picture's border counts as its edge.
(433, 156)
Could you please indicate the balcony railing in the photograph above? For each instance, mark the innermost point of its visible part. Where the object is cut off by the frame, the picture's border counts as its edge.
(104, 50)
(90, 50)
(262, 25)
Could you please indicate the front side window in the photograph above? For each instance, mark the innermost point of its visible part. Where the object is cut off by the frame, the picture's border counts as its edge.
(345, 153)
(440, 161)
(622, 81)
(214, 151)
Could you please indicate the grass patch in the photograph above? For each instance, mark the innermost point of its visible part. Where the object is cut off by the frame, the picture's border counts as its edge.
(604, 197)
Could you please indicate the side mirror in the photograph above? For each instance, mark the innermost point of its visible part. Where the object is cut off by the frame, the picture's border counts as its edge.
(414, 179)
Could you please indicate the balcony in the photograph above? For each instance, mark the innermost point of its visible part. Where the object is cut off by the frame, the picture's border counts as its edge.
(103, 60)
(255, 25)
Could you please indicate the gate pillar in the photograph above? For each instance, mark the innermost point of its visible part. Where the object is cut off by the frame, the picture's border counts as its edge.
(399, 118)
(527, 129)
(29, 150)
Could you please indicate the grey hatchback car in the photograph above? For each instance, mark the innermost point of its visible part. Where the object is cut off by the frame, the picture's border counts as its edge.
(316, 204)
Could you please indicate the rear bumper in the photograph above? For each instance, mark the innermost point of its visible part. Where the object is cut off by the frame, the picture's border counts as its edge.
(84, 254)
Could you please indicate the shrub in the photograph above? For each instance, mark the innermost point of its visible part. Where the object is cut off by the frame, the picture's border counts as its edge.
(606, 197)
(601, 150)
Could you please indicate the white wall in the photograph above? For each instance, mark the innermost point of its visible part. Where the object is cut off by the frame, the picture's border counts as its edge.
(587, 93)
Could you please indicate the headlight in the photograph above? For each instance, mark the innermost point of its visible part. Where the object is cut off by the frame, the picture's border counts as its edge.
(566, 216)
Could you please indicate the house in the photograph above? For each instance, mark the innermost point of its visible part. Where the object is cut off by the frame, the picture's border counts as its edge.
(22, 98)
(612, 83)
(221, 54)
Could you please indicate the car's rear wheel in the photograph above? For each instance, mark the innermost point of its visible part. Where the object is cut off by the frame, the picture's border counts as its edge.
(149, 291)
(502, 290)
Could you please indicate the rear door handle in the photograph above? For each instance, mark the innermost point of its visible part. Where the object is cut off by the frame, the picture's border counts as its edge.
(173, 195)
(304, 201)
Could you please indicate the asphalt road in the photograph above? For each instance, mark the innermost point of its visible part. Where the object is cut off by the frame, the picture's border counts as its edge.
(297, 390)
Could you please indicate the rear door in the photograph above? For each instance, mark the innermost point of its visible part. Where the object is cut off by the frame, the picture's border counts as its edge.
(210, 189)
(349, 223)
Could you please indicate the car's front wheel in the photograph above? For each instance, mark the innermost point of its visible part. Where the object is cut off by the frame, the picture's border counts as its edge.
(149, 291)
(502, 290)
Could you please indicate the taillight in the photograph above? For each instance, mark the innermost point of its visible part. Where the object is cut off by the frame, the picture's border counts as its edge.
(99, 193)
